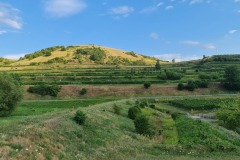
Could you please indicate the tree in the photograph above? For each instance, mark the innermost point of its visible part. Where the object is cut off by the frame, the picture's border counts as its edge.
(232, 78)
(142, 125)
(157, 65)
(147, 85)
(10, 94)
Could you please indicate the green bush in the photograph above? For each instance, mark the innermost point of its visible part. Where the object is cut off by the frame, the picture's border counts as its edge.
(117, 109)
(147, 85)
(83, 91)
(232, 78)
(10, 94)
(80, 117)
(142, 125)
(45, 90)
(180, 86)
(173, 75)
(191, 85)
(133, 112)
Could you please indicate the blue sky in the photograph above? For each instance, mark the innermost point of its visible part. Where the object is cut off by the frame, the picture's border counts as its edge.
(180, 29)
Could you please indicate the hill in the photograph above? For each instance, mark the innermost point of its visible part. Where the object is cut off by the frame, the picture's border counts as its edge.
(84, 54)
(5, 61)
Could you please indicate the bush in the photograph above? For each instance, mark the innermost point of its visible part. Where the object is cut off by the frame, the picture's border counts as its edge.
(180, 86)
(173, 75)
(133, 112)
(80, 117)
(191, 85)
(147, 85)
(232, 78)
(116, 109)
(83, 91)
(142, 125)
(10, 94)
(45, 90)
(162, 76)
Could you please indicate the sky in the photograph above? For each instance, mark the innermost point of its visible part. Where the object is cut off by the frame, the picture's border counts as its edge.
(167, 29)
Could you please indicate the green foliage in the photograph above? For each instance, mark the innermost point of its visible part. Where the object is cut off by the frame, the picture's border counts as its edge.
(173, 75)
(232, 78)
(198, 104)
(169, 75)
(56, 60)
(83, 91)
(197, 135)
(133, 112)
(131, 53)
(191, 85)
(180, 86)
(80, 117)
(10, 94)
(162, 76)
(157, 65)
(45, 90)
(223, 58)
(96, 54)
(117, 109)
(142, 125)
(229, 114)
(44, 52)
(147, 85)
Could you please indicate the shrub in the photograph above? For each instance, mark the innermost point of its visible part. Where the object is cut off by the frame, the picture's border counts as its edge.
(232, 78)
(180, 86)
(173, 75)
(83, 91)
(191, 85)
(142, 125)
(116, 109)
(152, 106)
(80, 117)
(45, 90)
(147, 85)
(10, 94)
(133, 112)
(162, 76)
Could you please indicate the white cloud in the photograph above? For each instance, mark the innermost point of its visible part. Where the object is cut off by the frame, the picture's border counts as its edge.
(14, 56)
(9, 16)
(121, 11)
(64, 8)
(169, 8)
(154, 36)
(200, 44)
(195, 1)
(177, 57)
(152, 8)
(232, 31)
(2, 32)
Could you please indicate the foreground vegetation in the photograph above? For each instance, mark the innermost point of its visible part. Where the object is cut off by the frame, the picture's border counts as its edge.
(107, 135)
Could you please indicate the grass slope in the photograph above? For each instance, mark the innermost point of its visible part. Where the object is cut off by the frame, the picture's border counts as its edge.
(69, 55)
(105, 136)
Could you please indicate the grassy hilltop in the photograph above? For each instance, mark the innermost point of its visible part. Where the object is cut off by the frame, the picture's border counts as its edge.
(84, 54)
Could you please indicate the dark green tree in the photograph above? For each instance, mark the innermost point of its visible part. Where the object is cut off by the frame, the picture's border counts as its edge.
(142, 125)
(157, 65)
(10, 94)
(232, 78)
